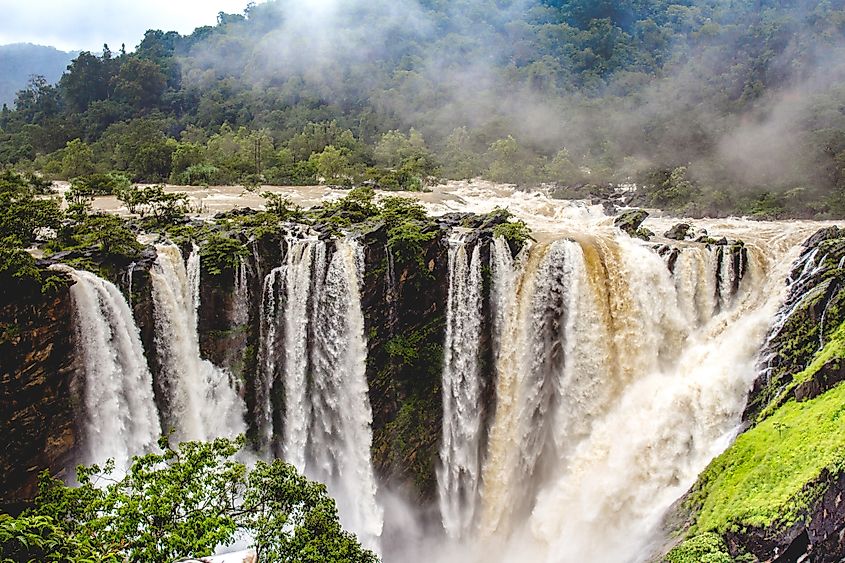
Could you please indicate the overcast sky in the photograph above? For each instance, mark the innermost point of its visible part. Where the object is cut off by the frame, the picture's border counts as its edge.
(73, 25)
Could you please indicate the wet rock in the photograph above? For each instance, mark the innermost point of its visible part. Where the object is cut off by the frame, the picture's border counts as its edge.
(817, 536)
(678, 232)
(644, 233)
(630, 221)
(827, 377)
(670, 254)
(815, 307)
(236, 212)
(37, 396)
(822, 235)
(404, 306)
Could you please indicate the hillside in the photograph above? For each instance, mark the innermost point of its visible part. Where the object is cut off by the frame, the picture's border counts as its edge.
(714, 106)
(20, 61)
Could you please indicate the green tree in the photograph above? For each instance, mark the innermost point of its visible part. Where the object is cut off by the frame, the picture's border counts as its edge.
(140, 83)
(77, 159)
(86, 81)
(395, 149)
(165, 207)
(38, 101)
(562, 169)
(509, 162)
(105, 233)
(281, 206)
(461, 159)
(331, 164)
(22, 211)
(184, 156)
(183, 502)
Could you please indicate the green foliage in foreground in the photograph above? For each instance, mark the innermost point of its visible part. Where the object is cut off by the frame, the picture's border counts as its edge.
(103, 233)
(762, 479)
(165, 207)
(835, 348)
(182, 502)
(515, 232)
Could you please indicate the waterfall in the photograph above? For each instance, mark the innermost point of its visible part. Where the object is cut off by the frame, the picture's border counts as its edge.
(267, 358)
(240, 305)
(458, 473)
(301, 257)
(341, 433)
(313, 345)
(121, 419)
(645, 452)
(202, 403)
(617, 380)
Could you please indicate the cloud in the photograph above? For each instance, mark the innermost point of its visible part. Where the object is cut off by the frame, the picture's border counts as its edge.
(88, 24)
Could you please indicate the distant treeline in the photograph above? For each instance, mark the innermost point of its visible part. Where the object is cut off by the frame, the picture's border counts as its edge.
(714, 106)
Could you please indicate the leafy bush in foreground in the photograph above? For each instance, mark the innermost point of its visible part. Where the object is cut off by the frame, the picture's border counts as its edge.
(182, 502)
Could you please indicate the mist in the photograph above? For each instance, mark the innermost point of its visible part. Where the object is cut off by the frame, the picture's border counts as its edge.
(474, 64)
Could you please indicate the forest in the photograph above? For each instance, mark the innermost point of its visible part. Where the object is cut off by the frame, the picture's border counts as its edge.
(712, 107)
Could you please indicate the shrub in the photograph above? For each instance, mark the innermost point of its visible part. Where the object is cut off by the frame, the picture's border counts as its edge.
(220, 253)
(22, 212)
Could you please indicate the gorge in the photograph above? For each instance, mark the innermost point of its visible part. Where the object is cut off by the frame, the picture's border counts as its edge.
(471, 396)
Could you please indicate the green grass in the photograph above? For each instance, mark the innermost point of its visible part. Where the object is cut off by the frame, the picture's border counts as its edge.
(760, 480)
(835, 348)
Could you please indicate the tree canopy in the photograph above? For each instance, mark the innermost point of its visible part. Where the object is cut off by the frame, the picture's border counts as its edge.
(746, 97)
(184, 501)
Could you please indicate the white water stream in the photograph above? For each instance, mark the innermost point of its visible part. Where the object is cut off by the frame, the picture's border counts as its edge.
(121, 419)
(616, 379)
(202, 401)
(459, 471)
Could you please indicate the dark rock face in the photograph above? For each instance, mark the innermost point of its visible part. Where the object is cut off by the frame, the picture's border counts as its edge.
(404, 307)
(818, 536)
(828, 376)
(813, 310)
(136, 285)
(678, 232)
(630, 222)
(37, 379)
(223, 340)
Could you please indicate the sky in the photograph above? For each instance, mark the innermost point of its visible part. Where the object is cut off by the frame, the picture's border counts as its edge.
(74, 25)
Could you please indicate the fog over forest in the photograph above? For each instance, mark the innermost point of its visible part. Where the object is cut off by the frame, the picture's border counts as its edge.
(714, 106)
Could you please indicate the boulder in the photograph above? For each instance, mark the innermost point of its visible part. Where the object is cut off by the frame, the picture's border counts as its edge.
(679, 231)
(828, 376)
(630, 221)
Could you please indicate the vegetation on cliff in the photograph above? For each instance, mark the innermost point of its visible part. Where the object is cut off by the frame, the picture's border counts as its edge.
(182, 502)
(761, 480)
(770, 481)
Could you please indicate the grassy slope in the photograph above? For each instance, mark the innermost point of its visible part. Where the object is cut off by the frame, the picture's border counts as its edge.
(761, 479)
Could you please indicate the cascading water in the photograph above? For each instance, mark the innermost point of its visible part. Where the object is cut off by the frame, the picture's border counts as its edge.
(202, 404)
(240, 306)
(301, 258)
(619, 376)
(341, 433)
(268, 358)
(459, 470)
(313, 344)
(121, 419)
(618, 372)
